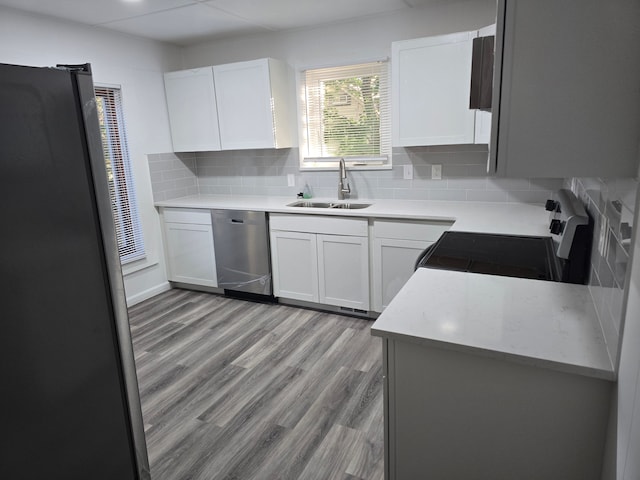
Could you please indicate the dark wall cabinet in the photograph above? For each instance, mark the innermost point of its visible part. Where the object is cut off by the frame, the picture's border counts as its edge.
(566, 98)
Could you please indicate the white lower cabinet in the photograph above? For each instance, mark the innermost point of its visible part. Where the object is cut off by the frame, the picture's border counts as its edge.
(189, 246)
(321, 259)
(343, 271)
(393, 264)
(396, 247)
(295, 265)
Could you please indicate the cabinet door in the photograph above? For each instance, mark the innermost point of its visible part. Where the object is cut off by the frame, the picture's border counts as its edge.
(343, 271)
(190, 254)
(431, 86)
(294, 265)
(393, 264)
(483, 118)
(243, 92)
(193, 117)
(566, 97)
(483, 127)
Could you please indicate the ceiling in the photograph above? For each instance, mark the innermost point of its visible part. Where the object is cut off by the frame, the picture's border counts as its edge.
(185, 22)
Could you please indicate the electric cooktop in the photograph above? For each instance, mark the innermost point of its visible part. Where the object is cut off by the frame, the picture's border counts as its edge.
(562, 256)
(507, 255)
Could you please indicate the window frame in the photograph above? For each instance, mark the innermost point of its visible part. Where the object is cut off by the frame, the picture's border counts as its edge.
(121, 184)
(310, 163)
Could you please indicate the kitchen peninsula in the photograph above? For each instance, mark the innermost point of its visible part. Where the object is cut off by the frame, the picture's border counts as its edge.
(511, 374)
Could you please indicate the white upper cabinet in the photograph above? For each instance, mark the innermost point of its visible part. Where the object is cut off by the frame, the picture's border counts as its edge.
(191, 102)
(255, 102)
(566, 98)
(243, 105)
(431, 80)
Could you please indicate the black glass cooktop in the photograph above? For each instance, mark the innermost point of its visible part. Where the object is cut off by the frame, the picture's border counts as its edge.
(507, 255)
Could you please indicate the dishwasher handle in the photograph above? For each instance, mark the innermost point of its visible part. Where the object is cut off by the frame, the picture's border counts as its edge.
(236, 220)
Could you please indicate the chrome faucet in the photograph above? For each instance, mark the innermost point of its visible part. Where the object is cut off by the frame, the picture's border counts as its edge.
(343, 185)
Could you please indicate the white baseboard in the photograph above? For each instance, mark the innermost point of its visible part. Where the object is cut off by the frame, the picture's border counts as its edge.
(142, 296)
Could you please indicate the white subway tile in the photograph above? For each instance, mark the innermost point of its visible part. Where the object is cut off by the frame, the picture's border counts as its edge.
(486, 196)
(467, 183)
(451, 195)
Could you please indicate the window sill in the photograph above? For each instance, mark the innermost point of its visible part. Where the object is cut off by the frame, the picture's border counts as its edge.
(383, 162)
(333, 168)
(138, 265)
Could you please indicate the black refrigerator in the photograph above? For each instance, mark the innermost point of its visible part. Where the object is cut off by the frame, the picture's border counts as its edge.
(69, 402)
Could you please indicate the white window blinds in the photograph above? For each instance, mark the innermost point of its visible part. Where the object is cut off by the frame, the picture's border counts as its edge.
(121, 187)
(347, 114)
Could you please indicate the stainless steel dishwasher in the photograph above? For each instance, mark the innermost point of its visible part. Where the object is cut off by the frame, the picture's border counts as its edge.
(241, 243)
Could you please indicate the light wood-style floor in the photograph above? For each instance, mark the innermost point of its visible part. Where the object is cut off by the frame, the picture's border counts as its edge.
(233, 389)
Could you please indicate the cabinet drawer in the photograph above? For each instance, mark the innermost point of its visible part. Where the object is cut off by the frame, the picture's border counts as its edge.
(410, 230)
(187, 215)
(320, 224)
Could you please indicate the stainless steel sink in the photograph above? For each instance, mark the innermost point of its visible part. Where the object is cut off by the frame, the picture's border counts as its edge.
(354, 206)
(344, 205)
(308, 204)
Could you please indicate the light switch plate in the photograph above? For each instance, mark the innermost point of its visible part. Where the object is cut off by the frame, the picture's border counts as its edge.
(436, 172)
(291, 180)
(408, 172)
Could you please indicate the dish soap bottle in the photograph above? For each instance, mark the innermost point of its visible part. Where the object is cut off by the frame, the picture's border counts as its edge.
(306, 192)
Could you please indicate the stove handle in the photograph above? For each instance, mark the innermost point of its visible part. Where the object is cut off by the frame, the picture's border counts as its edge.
(423, 255)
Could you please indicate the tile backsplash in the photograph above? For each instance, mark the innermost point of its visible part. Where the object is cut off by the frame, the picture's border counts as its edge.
(173, 175)
(611, 205)
(264, 172)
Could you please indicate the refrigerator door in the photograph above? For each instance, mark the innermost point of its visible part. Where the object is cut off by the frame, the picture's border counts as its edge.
(66, 406)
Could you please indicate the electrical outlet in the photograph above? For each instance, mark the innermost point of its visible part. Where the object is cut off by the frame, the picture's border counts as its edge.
(436, 172)
(408, 172)
(291, 180)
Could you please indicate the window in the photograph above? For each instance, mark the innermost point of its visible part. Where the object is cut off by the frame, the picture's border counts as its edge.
(346, 113)
(123, 197)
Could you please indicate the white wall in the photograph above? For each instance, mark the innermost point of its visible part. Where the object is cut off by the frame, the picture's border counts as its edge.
(358, 40)
(116, 59)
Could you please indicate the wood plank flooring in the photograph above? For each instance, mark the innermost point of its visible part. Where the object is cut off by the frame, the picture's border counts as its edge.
(233, 389)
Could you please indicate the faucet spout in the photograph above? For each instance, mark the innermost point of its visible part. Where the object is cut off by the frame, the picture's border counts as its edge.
(344, 190)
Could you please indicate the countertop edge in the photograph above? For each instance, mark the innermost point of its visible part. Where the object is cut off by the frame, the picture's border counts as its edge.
(608, 375)
(515, 218)
(362, 212)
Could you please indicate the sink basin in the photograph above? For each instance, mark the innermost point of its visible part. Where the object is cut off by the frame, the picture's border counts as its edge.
(310, 204)
(355, 206)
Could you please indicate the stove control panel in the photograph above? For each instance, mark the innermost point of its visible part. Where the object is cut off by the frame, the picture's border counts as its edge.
(557, 226)
(551, 205)
(567, 215)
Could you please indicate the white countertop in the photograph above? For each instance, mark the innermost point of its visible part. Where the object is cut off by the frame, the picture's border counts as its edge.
(539, 323)
(535, 322)
(489, 217)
